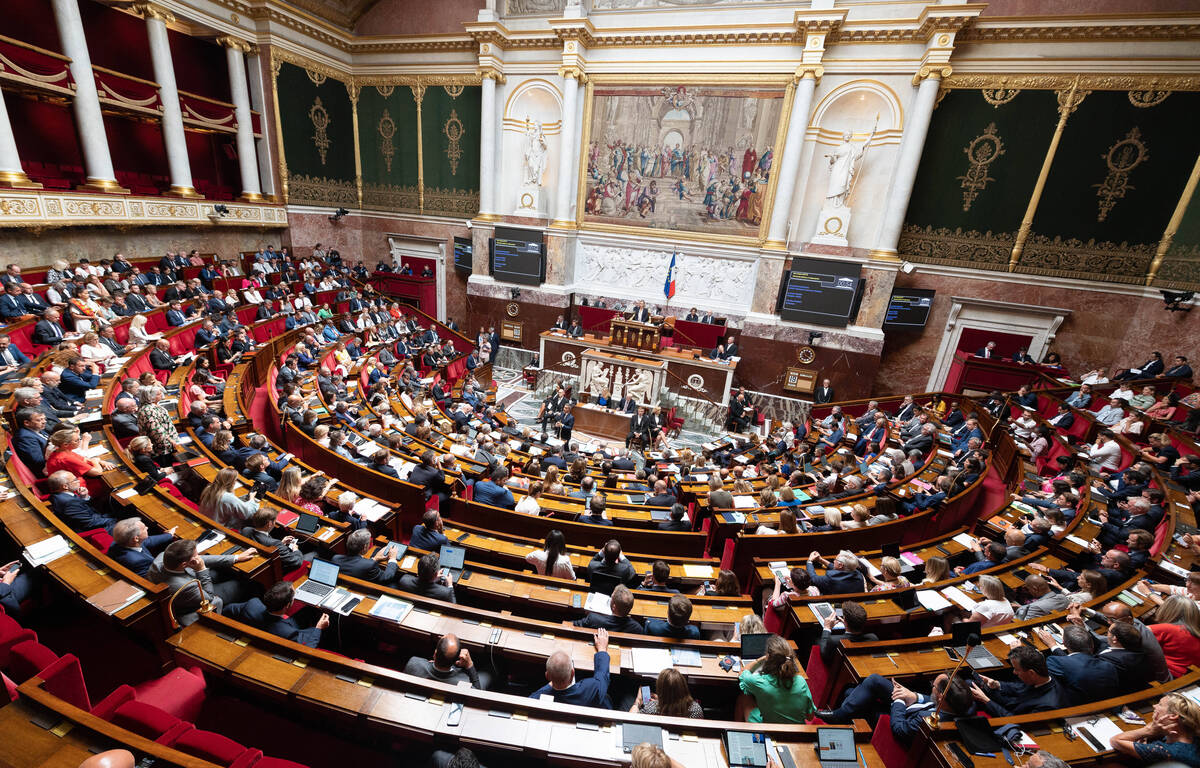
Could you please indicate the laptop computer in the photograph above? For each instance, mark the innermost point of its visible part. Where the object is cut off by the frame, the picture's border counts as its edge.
(746, 749)
(322, 580)
(754, 646)
(633, 734)
(451, 559)
(979, 657)
(660, 515)
(893, 550)
(308, 523)
(835, 748)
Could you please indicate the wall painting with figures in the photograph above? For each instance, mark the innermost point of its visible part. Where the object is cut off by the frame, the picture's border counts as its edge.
(694, 158)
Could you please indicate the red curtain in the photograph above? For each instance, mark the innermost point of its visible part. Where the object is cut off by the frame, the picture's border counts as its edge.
(116, 40)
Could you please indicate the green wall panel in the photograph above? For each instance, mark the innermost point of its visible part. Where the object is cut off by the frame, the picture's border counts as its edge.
(387, 126)
(320, 164)
(450, 135)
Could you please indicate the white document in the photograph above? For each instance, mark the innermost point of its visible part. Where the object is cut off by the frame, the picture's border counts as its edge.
(931, 600)
(959, 597)
(599, 603)
(1100, 728)
(966, 539)
(46, 550)
(693, 571)
(744, 502)
(650, 661)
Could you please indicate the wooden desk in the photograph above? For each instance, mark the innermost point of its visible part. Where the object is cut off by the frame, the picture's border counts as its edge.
(601, 422)
(644, 337)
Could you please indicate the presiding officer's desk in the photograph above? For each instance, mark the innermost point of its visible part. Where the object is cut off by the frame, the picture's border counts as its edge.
(372, 702)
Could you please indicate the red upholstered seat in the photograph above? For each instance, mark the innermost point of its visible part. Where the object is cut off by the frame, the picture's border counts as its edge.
(98, 538)
(727, 554)
(146, 720)
(819, 679)
(29, 658)
(180, 693)
(207, 745)
(277, 762)
(891, 752)
(12, 634)
(64, 678)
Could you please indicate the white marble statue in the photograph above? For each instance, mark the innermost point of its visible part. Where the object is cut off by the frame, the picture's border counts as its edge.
(599, 380)
(639, 386)
(844, 163)
(535, 153)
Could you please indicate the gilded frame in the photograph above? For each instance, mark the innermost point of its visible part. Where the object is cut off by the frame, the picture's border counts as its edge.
(785, 81)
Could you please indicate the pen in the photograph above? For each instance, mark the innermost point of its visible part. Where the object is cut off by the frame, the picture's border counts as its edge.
(894, 664)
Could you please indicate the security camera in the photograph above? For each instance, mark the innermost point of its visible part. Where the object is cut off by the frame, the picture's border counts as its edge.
(1177, 301)
(338, 214)
(813, 336)
(908, 267)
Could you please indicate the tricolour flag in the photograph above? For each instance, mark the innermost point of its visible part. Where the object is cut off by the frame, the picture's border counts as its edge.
(669, 285)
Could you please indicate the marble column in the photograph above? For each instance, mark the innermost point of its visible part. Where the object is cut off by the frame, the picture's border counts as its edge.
(178, 167)
(568, 147)
(89, 122)
(258, 102)
(235, 51)
(487, 146)
(789, 161)
(911, 146)
(11, 173)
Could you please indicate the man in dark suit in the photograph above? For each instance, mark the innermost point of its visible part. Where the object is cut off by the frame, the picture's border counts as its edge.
(48, 331)
(724, 351)
(676, 521)
(77, 378)
(124, 418)
(677, 625)
(1180, 370)
(662, 497)
(823, 393)
(430, 477)
(610, 562)
(494, 343)
(1033, 691)
(566, 423)
(1063, 419)
(841, 577)
(621, 603)
(31, 439)
(854, 619)
(640, 313)
(562, 686)
(11, 305)
(624, 405)
(160, 356)
(921, 442)
(692, 316)
(270, 615)
(175, 316)
(1021, 356)
(640, 426)
(492, 490)
(1083, 677)
(12, 359)
(596, 507)
(987, 351)
(428, 580)
(354, 563)
(1124, 653)
(75, 509)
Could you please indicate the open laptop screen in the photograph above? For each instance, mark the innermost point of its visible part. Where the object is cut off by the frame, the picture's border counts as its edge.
(323, 571)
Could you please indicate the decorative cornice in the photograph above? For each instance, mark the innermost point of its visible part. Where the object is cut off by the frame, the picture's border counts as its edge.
(418, 80)
(1092, 82)
(282, 54)
(150, 10)
(1142, 26)
(52, 208)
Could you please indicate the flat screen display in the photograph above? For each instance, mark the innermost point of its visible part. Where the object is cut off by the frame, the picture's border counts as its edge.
(462, 254)
(517, 256)
(908, 308)
(820, 292)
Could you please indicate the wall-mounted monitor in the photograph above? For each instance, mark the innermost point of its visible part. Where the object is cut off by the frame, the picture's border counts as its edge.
(820, 292)
(908, 308)
(518, 256)
(462, 254)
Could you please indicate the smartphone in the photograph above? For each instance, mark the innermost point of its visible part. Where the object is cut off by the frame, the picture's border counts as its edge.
(645, 695)
(454, 717)
(576, 600)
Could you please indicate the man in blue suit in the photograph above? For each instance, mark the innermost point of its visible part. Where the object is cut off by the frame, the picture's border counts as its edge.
(77, 378)
(134, 547)
(12, 359)
(355, 563)
(75, 510)
(1082, 677)
(679, 613)
(269, 615)
(31, 439)
(493, 492)
(175, 316)
(964, 434)
(427, 534)
(841, 577)
(11, 305)
(565, 689)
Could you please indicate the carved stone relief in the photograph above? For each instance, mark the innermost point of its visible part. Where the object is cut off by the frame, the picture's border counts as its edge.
(640, 273)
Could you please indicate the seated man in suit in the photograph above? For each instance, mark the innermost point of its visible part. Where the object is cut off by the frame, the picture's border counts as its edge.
(679, 613)
(259, 528)
(160, 356)
(31, 439)
(1063, 418)
(620, 604)
(662, 496)
(48, 331)
(854, 620)
(270, 614)
(724, 351)
(180, 567)
(428, 581)
(841, 577)
(428, 534)
(1082, 677)
(1180, 370)
(658, 577)
(596, 506)
(878, 695)
(134, 547)
(1124, 653)
(69, 500)
(1044, 601)
(355, 563)
(611, 563)
(692, 316)
(11, 306)
(1033, 691)
(78, 377)
(987, 351)
(1021, 356)
(12, 359)
(451, 663)
(677, 521)
(492, 490)
(562, 686)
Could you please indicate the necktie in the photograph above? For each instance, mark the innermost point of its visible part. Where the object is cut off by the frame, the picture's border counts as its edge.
(57, 330)
(8, 356)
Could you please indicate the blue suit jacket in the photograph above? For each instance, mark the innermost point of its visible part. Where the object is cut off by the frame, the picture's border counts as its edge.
(75, 385)
(254, 613)
(1083, 677)
(430, 541)
(835, 582)
(31, 448)
(487, 492)
(660, 628)
(592, 692)
(20, 357)
(175, 318)
(78, 513)
(140, 560)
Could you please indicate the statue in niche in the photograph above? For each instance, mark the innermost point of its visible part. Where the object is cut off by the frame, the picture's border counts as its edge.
(535, 153)
(639, 386)
(844, 163)
(599, 380)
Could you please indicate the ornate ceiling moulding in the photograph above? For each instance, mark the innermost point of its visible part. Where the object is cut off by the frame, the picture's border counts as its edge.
(1104, 27)
(314, 67)
(407, 81)
(1093, 82)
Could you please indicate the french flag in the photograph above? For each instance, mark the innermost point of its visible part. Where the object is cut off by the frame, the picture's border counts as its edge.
(669, 285)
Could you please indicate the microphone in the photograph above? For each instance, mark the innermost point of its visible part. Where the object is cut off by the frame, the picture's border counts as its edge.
(973, 640)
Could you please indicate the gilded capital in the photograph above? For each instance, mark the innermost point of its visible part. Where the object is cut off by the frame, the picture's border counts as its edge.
(810, 71)
(232, 42)
(491, 73)
(935, 71)
(573, 72)
(153, 11)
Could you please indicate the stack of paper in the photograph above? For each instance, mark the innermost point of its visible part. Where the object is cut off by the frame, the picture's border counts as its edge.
(745, 502)
(693, 571)
(958, 596)
(370, 510)
(46, 551)
(599, 603)
(208, 543)
(931, 600)
(966, 539)
(650, 661)
(1096, 731)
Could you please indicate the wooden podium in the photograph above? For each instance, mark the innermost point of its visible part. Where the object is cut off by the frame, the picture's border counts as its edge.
(635, 335)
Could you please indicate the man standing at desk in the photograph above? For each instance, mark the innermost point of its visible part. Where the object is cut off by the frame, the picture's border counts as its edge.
(640, 313)
(566, 423)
